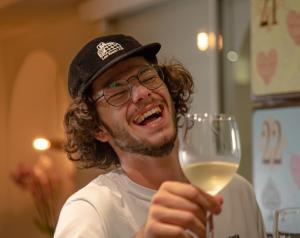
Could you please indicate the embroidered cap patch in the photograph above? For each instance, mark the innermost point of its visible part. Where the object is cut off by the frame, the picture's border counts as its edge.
(107, 49)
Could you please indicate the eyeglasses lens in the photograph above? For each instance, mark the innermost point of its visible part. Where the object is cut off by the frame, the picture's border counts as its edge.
(118, 92)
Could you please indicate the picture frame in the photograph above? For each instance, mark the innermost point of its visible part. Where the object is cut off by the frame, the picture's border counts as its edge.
(276, 158)
(275, 49)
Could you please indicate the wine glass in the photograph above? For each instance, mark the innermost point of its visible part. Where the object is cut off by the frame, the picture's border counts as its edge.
(209, 152)
(287, 223)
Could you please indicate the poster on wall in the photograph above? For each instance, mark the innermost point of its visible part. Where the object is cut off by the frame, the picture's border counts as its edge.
(276, 159)
(275, 48)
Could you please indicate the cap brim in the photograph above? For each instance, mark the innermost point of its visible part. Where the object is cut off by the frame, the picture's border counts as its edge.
(147, 51)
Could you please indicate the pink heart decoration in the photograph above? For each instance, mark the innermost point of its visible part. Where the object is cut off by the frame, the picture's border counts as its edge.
(295, 168)
(293, 25)
(266, 64)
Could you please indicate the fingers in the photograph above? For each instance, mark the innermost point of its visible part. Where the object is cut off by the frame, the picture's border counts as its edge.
(181, 218)
(173, 201)
(177, 208)
(195, 195)
(157, 229)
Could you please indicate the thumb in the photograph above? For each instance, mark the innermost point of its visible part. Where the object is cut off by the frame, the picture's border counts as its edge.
(220, 201)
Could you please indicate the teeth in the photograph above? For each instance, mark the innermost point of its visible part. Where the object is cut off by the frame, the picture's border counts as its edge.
(146, 114)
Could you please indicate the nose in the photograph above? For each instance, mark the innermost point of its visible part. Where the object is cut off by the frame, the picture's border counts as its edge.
(139, 92)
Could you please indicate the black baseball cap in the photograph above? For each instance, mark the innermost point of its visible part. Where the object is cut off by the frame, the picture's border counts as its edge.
(100, 54)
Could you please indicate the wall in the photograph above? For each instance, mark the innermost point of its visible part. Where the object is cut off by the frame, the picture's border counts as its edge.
(175, 25)
(56, 37)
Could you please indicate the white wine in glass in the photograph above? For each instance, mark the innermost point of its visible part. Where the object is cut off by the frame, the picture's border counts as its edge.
(209, 151)
(210, 176)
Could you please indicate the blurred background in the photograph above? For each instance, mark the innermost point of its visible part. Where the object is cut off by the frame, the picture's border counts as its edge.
(38, 38)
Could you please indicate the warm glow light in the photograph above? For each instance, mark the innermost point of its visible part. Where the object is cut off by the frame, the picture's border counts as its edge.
(41, 144)
(232, 56)
(202, 41)
(212, 40)
(220, 42)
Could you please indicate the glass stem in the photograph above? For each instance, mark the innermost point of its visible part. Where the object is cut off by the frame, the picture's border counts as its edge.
(210, 226)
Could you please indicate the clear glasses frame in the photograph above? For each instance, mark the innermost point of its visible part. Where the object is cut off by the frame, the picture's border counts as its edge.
(119, 92)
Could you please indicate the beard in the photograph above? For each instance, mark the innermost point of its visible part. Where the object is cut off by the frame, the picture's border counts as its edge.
(128, 143)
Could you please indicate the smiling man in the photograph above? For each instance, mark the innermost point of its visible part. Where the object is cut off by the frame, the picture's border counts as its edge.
(123, 117)
(148, 127)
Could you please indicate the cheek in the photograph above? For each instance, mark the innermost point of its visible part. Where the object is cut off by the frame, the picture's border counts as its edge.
(112, 117)
(165, 94)
(103, 114)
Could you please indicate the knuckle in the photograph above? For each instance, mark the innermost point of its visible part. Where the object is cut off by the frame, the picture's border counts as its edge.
(165, 185)
(158, 198)
(195, 209)
(178, 232)
(189, 218)
(151, 227)
(194, 193)
(155, 198)
(155, 212)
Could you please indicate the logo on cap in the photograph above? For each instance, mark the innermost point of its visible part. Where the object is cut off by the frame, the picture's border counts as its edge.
(107, 49)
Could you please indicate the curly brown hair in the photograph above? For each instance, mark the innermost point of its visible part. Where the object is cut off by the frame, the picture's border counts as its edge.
(82, 122)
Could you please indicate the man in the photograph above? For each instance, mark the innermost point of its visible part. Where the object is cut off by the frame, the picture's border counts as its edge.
(124, 116)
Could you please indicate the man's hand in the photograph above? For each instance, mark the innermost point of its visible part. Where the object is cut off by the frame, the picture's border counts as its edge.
(177, 208)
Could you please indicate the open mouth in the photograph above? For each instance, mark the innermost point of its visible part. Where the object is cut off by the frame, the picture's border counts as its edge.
(148, 116)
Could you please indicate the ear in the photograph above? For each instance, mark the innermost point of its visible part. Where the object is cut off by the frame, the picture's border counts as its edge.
(102, 134)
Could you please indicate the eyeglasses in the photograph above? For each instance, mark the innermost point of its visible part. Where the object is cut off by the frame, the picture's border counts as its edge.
(118, 92)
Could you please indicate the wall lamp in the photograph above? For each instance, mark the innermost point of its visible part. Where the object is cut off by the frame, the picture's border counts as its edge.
(43, 144)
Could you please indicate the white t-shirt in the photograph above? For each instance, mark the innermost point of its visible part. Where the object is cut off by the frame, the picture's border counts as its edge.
(113, 206)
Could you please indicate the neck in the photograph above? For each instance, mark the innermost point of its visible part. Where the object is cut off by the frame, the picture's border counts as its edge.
(150, 171)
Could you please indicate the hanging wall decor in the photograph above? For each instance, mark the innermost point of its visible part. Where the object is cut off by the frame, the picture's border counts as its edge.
(276, 159)
(275, 48)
